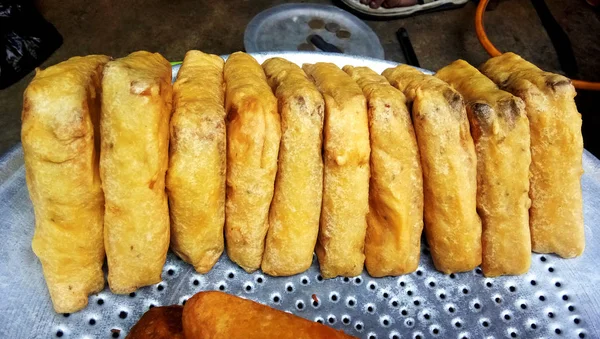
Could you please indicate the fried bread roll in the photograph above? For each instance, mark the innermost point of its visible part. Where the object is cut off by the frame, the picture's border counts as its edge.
(136, 107)
(61, 108)
(340, 246)
(196, 175)
(395, 219)
(220, 315)
(556, 214)
(296, 207)
(452, 226)
(159, 323)
(500, 130)
(253, 135)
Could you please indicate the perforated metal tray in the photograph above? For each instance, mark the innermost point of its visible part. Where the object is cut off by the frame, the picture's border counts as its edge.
(557, 298)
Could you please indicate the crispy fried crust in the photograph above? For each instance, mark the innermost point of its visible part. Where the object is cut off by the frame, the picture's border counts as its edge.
(500, 130)
(452, 226)
(220, 315)
(159, 323)
(556, 214)
(395, 219)
(136, 107)
(60, 108)
(296, 206)
(341, 238)
(196, 175)
(253, 135)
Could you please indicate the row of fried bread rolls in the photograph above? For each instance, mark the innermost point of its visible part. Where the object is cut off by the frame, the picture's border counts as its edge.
(280, 158)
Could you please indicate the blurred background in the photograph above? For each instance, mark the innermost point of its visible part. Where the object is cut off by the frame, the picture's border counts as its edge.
(171, 28)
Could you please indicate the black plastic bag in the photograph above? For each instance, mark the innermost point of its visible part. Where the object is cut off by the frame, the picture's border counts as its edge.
(26, 40)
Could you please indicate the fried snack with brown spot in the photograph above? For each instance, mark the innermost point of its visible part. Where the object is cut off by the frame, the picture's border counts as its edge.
(500, 130)
(556, 214)
(449, 164)
(61, 109)
(159, 323)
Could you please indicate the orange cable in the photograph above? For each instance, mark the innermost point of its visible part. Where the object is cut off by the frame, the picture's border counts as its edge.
(493, 51)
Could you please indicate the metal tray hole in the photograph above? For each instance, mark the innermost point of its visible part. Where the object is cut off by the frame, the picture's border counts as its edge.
(334, 297)
(457, 323)
(160, 287)
(513, 334)
(476, 305)
(431, 283)
(358, 326)
(442, 295)
(557, 284)
(533, 326)
(542, 297)
(426, 315)
(465, 336)
(533, 282)
(451, 309)
(485, 323)
(115, 333)
(372, 335)
(565, 297)
(346, 319)
(300, 305)
(551, 269)
(346, 279)
(409, 322)
(151, 306)
(372, 286)
(230, 275)
(289, 287)
(557, 331)
(351, 302)
(66, 315)
(123, 315)
(385, 294)
(394, 335)
(304, 280)
(550, 315)
(506, 316)
(249, 287)
(512, 288)
(498, 300)
(92, 321)
(409, 292)
(577, 321)
(132, 295)
(417, 302)
(370, 308)
(401, 282)
(331, 319)
(59, 333)
(571, 308)
(452, 276)
(394, 303)
(465, 290)
(171, 272)
(319, 277)
(419, 272)
(581, 335)
(404, 312)
(100, 301)
(417, 335)
(276, 298)
(489, 284)
(222, 286)
(523, 306)
(319, 320)
(543, 258)
(478, 271)
(259, 279)
(385, 321)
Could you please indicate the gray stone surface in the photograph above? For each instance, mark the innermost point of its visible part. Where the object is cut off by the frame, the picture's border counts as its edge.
(172, 27)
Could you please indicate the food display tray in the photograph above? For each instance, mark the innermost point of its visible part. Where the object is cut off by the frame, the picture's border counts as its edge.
(556, 298)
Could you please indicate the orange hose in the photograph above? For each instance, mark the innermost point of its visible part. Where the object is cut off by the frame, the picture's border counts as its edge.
(493, 51)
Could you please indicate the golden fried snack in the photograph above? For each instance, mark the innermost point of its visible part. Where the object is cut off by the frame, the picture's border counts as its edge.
(159, 323)
(136, 107)
(395, 219)
(220, 315)
(296, 207)
(452, 226)
(340, 246)
(196, 175)
(253, 135)
(556, 214)
(61, 107)
(500, 130)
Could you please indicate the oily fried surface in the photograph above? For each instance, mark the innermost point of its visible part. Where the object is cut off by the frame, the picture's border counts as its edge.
(500, 130)
(452, 226)
(136, 107)
(556, 214)
(296, 206)
(395, 219)
(159, 323)
(253, 135)
(196, 176)
(61, 107)
(340, 246)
